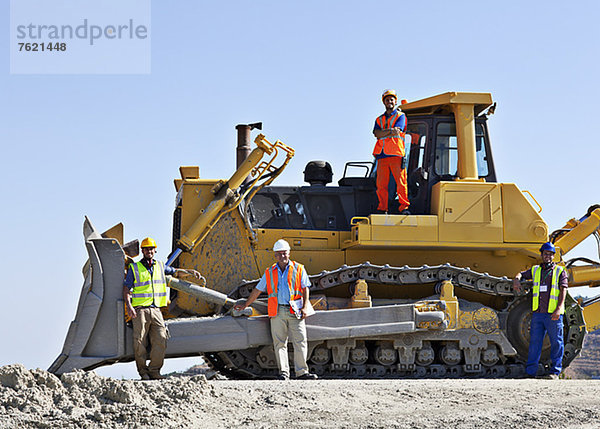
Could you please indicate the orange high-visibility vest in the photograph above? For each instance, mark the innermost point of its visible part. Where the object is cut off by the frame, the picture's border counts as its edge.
(389, 145)
(294, 283)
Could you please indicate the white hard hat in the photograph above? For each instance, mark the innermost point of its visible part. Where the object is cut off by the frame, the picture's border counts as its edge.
(281, 245)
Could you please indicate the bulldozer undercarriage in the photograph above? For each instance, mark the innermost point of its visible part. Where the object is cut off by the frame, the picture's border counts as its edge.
(482, 350)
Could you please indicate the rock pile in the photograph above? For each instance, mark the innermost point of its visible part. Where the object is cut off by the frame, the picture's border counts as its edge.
(37, 398)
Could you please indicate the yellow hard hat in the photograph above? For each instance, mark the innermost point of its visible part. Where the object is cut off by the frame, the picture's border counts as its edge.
(389, 92)
(148, 242)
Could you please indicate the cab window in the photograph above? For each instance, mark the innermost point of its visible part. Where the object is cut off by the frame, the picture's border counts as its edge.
(446, 150)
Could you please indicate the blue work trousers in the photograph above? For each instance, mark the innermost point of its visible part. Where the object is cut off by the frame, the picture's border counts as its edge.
(542, 323)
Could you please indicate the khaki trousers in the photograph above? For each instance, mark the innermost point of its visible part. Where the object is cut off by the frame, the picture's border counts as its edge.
(281, 325)
(149, 323)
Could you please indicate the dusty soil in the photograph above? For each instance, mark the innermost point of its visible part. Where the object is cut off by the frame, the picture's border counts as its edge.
(36, 398)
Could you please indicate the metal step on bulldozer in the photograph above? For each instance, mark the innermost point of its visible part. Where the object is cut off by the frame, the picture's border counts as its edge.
(427, 294)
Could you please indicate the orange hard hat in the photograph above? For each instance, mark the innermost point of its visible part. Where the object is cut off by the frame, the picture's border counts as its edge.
(389, 92)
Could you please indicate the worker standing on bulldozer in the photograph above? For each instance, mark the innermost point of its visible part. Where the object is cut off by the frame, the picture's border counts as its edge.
(389, 152)
(286, 283)
(145, 292)
(550, 283)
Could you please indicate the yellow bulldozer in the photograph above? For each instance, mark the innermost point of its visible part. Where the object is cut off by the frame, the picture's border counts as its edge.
(425, 294)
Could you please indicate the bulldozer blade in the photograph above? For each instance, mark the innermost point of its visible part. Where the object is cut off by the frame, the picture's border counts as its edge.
(96, 335)
(99, 335)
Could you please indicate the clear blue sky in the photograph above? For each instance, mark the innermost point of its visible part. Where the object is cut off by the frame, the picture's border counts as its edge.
(107, 145)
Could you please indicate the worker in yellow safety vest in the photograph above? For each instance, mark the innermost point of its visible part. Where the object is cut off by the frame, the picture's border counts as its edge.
(145, 292)
(549, 290)
(286, 284)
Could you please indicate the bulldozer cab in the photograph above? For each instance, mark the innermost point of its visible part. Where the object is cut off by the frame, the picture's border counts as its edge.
(432, 149)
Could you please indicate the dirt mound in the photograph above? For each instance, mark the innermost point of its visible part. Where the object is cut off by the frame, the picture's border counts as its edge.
(38, 399)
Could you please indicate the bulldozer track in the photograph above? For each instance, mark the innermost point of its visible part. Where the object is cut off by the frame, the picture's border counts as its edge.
(244, 364)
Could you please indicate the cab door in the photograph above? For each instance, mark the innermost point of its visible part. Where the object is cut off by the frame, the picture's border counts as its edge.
(417, 144)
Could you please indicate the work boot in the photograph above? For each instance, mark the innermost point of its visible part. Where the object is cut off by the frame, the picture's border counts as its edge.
(156, 376)
(144, 377)
(308, 376)
(549, 377)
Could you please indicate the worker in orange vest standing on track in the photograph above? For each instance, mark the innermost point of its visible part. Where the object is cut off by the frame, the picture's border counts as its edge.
(286, 283)
(389, 152)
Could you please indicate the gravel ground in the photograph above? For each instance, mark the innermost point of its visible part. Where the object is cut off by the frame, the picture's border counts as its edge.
(36, 398)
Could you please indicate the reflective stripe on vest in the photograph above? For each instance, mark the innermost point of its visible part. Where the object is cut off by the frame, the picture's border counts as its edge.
(148, 290)
(294, 283)
(389, 145)
(536, 274)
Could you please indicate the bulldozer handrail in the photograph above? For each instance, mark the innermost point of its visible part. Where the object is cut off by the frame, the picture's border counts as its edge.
(525, 191)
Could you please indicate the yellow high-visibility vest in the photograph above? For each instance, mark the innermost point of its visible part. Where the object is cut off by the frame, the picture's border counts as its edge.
(149, 289)
(536, 274)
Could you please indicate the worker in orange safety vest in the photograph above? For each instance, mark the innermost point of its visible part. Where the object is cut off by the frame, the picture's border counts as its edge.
(286, 284)
(389, 153)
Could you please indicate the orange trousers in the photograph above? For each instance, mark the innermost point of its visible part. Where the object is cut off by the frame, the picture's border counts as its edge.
(384, 167)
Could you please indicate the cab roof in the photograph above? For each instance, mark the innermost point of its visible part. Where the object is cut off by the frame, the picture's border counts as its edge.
(442, 103)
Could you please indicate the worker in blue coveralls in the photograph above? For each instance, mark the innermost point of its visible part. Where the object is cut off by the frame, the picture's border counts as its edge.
(549, 290)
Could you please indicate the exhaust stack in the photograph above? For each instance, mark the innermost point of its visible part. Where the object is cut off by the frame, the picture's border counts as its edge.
(243, 141)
